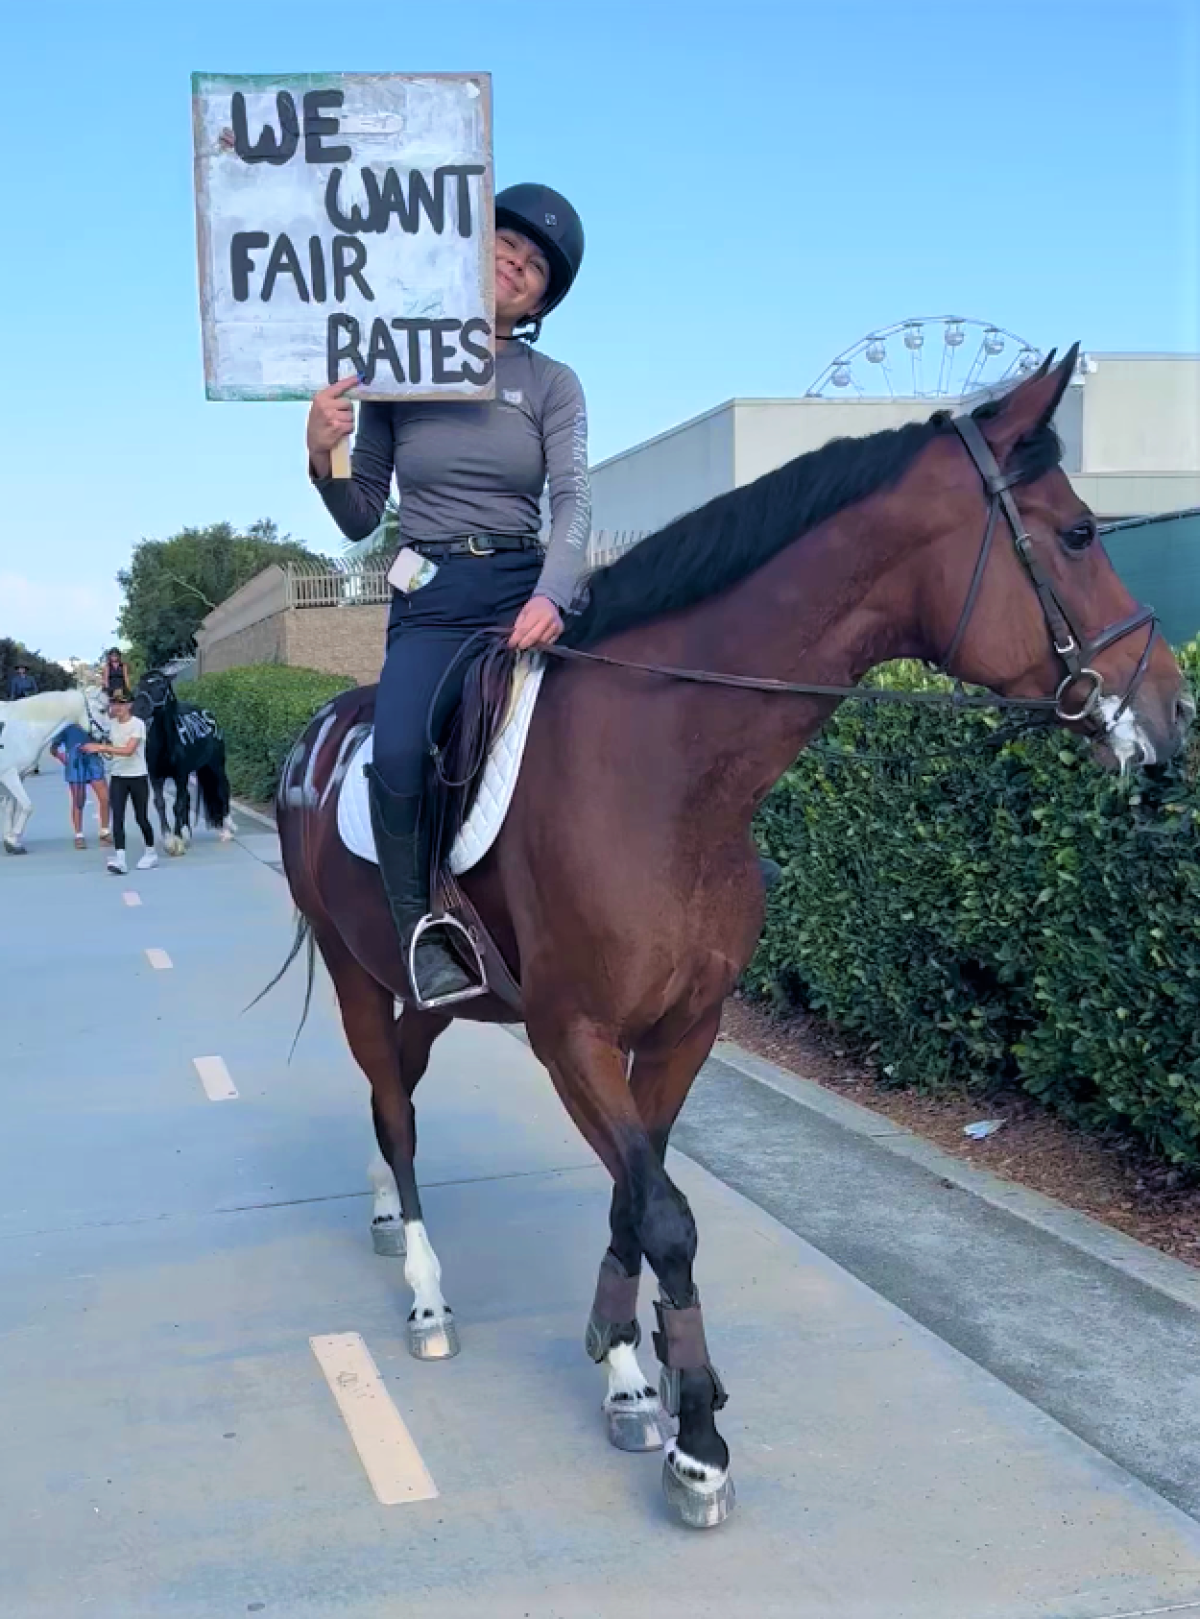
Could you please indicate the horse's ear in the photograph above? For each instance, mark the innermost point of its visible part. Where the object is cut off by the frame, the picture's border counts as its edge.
(1030, 405)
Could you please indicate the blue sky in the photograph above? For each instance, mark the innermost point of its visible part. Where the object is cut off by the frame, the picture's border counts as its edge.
(761, 184)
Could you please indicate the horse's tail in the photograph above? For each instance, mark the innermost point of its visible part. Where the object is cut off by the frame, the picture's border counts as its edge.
(302, 939)
(214, 792)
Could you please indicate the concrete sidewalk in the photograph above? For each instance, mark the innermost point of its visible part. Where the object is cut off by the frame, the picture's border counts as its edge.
(170, 1445)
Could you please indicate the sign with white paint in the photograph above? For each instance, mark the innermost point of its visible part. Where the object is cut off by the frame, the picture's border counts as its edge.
(344, 225)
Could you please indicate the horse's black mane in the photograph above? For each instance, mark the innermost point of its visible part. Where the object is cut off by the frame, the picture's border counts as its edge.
(708, 550)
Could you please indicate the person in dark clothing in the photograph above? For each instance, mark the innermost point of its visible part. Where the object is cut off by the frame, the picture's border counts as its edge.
(21, 684)
(116, 672)
(470, 478)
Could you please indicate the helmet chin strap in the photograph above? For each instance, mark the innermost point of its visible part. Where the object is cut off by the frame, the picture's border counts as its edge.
(519, 335)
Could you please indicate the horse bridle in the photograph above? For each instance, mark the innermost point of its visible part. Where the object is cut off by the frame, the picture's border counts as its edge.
(94, 725)
(1074, 650)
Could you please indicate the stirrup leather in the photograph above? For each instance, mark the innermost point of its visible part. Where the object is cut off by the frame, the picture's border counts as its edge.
(424, 926)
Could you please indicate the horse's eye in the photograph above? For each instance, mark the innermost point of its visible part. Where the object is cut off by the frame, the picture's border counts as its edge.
(1081, 536)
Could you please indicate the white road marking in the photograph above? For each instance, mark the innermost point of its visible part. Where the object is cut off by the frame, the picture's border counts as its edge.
(131, 898)
(159, 959)
(214, 1076)
(385, 1447)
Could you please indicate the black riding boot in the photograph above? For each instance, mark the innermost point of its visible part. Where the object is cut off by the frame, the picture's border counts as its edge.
(402, 844)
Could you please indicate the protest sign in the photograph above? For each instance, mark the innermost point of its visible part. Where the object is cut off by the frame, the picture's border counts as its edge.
(345, 225)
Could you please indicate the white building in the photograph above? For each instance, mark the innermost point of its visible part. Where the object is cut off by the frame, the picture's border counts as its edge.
(1130, 427)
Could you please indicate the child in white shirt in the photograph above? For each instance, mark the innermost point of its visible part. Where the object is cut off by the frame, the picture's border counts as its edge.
(126, 748)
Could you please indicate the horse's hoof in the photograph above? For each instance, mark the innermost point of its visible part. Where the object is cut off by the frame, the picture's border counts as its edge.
(433, 1339)
(14, 848)
(635, 1427)
(698, 1503)
(387, 1237)
(225, 835)
(175, 846)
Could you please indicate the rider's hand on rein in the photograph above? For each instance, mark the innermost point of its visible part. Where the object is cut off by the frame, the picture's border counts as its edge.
(539, 624)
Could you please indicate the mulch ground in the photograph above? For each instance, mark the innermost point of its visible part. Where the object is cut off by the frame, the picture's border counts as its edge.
(1110, 1177)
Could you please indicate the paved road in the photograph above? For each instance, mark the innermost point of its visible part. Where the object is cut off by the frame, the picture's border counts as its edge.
(170, 1445)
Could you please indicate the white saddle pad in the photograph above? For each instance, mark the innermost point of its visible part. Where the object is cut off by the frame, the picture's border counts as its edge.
(495, 789)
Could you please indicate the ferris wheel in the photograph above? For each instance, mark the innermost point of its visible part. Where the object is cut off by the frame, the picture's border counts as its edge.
(928, 357)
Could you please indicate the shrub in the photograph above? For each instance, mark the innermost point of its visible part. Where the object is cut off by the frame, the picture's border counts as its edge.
(262, 709)
(1011, 914)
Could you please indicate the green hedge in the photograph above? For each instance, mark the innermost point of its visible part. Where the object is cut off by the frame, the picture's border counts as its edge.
(1008, 915)
(262, 710)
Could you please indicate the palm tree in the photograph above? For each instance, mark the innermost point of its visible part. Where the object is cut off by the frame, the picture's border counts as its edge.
(385, 538)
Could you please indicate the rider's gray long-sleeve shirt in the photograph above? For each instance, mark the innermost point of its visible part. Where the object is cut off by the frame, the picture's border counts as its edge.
(464, 468)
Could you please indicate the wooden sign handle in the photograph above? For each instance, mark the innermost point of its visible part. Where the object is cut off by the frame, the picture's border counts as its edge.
(339, 459)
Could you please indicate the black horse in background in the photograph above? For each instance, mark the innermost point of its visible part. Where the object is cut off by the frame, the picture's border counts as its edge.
(182, 741)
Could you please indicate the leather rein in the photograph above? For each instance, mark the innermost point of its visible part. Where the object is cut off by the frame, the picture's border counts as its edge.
(1075, 651)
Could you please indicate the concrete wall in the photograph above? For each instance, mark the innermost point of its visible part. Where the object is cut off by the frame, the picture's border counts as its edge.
(1141, 414)
(264, 642)
(256, 625)
(338, 640)
(647, 486)
(770, 432)
(1132, 494)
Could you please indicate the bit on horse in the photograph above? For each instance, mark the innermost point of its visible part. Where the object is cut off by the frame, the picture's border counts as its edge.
(624, 888)
(182, 740)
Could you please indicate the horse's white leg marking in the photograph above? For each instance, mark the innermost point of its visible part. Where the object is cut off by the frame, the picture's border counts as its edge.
(632, 1407)
(423, 1273)
(702, 1478)
(628, 1385)
(432, 1333)
(386, 1210)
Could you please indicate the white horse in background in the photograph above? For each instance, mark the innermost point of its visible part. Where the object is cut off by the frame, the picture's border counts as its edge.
(26, 728)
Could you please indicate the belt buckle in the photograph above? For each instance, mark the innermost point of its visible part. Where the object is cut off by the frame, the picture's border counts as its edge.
(476, 550)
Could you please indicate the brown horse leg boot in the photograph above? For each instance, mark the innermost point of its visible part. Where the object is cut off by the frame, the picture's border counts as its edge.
(632, 1410)
(403, 849)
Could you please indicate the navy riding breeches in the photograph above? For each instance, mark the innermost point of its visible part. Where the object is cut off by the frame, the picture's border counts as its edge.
(425, 630)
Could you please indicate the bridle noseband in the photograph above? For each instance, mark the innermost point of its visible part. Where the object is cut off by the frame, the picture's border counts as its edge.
(1075, 652)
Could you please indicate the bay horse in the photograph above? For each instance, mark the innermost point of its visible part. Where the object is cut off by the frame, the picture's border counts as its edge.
(182, 740)
(624, 890)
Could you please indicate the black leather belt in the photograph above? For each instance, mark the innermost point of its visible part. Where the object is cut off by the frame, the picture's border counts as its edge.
(476, 545)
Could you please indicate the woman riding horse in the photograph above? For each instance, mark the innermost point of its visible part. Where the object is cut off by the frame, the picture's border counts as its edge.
(470, 478)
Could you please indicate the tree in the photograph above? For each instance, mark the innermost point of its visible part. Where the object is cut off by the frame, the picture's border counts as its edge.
(385, 538)
(49, 676)
(172, 585)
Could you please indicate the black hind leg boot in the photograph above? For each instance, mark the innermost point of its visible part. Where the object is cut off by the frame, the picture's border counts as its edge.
(402, 844)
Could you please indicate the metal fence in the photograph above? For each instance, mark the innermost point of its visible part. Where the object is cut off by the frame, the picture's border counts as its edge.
(329, 583)
(362, 582)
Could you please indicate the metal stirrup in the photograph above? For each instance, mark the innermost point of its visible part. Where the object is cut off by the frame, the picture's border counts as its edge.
(424, 926)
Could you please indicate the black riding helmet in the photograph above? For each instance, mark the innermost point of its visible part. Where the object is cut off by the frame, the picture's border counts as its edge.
(548, 219)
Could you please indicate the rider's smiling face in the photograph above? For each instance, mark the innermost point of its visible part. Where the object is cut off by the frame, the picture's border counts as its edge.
(522, 279)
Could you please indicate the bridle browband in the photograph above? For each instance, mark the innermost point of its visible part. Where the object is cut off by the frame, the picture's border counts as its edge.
(1074, 651)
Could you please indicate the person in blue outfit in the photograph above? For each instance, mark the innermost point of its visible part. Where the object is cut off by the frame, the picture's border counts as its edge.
(82, 770)
(21, 684)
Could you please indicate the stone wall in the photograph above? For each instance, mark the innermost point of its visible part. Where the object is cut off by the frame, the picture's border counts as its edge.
(262, 623)
(338, 640)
